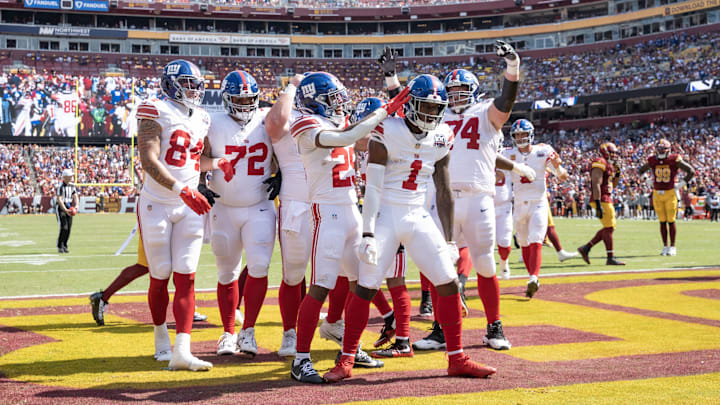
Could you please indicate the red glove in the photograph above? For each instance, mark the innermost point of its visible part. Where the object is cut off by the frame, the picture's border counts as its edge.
(196, 201)
(72, 211)
(227, 168)
(398, 101)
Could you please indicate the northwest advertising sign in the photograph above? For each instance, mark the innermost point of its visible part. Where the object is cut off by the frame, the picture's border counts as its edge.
(52, 4)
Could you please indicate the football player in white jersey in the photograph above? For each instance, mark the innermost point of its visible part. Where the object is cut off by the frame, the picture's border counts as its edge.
(397, 321)
(65, 112)
(325, 146)
(503, 218)
(294, 221)
(405, 153)
(531, 205)
(476, 124)
(242, 217)
(170, 209)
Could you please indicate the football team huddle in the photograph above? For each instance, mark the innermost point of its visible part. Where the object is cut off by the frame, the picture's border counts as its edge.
(439, 187)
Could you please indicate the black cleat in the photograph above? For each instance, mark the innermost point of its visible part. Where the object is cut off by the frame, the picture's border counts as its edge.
(612, 261)
(532, 286)
(98, 307)
(584, 251)
(434, 341)
(426, 309)
(362, 360)
(387, 332)
(305, 372)
(495, 337)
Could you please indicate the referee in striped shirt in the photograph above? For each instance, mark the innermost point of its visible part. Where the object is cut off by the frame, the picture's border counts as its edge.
(67, 202)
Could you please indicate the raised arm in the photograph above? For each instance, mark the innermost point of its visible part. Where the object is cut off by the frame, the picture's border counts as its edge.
(499, 111)
(332, 138)
(277, 120)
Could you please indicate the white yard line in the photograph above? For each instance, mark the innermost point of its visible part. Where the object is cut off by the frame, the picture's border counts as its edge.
(203, 290)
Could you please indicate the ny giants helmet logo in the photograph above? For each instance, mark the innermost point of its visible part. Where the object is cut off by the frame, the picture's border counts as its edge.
(308, 90)
(173, 69)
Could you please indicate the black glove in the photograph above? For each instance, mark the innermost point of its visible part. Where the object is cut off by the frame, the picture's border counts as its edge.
(274, 184)
(210, 195)
(387, 61)
(598, 209)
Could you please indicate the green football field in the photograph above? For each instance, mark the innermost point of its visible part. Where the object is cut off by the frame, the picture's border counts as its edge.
(30, 264)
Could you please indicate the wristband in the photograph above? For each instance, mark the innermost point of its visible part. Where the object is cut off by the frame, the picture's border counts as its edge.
(178, 187)
(513, 66)
(216, 163)
(392, 81)
(368, 235)
(289, 89)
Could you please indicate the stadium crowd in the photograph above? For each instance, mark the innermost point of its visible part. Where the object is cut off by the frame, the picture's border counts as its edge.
(109, 164)
(14, 172)
(695, 139)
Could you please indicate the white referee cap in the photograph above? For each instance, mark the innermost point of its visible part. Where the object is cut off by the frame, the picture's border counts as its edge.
(67, 172)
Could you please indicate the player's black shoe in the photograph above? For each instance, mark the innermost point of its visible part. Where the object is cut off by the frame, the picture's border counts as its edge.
(434, 341)
(584, 251)
(305, 372)
(613, 261)
(98, 307)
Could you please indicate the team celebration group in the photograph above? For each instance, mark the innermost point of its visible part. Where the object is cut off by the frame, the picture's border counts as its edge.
(439, 188)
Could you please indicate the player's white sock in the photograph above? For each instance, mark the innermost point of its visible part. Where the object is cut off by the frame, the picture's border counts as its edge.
(162, 339)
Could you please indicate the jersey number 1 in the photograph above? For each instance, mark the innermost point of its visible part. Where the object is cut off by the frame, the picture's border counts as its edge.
(415, 167)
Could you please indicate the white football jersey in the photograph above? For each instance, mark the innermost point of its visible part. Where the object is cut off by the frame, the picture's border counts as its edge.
(67, 104)
(410, 162)
(181, 144)
(472, 161)
(503, 188)
(538, 159)
(249, 150)
(330, 172)
(294, 185)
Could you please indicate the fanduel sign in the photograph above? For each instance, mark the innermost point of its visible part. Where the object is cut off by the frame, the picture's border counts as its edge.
(91, 5)
(54, 4)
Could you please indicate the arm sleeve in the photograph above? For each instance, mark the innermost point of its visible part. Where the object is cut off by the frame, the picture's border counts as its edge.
(373, 192)
(353, 133)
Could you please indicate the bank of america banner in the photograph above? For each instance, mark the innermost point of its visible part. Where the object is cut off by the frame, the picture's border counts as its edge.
(554, 103)
(229, 39)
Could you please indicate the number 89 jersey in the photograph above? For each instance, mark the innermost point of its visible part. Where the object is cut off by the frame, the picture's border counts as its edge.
(181, 143)
(410, 162)
(472, 165)
(330, 173)
(249, 150)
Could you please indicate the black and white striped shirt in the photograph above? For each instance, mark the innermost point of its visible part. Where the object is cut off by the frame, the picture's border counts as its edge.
(66, 192)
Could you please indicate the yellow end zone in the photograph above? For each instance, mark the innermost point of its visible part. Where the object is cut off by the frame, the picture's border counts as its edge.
(694, 389)
(120, 354)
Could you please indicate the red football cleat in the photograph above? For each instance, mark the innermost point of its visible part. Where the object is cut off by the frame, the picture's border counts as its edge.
(465, 367)
(341, 371)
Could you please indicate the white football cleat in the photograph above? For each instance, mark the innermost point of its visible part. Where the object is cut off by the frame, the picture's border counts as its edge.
(186, 361)
(289, 341)
(672, 251)
(182, 359)
(333, 331)
(247, 344)
(227, 344)
(239, 318)
(164, 355)
(563, 255)
(163, 348)
(505, 269)
(664, 251)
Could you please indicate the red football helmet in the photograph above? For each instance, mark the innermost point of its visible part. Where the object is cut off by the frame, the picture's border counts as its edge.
(609, 152)
(662, 149)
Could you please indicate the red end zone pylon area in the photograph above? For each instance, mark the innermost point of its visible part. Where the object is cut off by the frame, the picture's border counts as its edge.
(651, 337)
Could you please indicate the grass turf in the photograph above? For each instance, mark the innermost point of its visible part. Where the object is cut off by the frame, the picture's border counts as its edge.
(30, 264)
